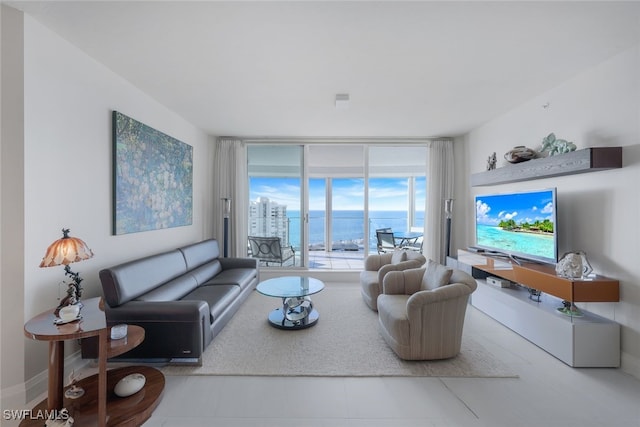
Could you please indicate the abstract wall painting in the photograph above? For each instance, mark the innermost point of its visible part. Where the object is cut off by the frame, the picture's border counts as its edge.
(152, 178)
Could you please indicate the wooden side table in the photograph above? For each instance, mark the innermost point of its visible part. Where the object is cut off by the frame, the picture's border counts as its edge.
(99, 405)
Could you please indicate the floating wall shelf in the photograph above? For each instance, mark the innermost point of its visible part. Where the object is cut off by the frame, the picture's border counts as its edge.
(579, 161)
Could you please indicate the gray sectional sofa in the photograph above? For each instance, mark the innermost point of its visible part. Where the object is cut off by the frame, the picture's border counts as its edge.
(182, 298)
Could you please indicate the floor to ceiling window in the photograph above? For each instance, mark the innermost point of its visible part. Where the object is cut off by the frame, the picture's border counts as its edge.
(340, 170)
(325, 202)
(397, 192)
(275, 201)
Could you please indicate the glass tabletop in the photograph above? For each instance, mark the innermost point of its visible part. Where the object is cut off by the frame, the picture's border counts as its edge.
(407, 234)
(290, 286)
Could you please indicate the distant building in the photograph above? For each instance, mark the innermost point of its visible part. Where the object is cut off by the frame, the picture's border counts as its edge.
(267, 219)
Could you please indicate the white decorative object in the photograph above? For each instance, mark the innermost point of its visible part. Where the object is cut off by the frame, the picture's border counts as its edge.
(554, 146)
(129, 385)
(119, 331)
(75, 391)
(519, 154)
(573, 265)
(59, 418)
(69, 313)
(492, 162)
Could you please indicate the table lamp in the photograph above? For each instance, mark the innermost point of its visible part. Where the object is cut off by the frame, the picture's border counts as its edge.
(64, 251)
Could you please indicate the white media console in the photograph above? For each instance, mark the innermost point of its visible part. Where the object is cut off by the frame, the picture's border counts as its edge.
(586, 341)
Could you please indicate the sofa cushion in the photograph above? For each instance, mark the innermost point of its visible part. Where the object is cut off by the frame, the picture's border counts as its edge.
(435, 275)
(197, 254)
(172, 290)
(127, 281)
(242, 277)
(398, 257)
(219, 297)
(205, 272)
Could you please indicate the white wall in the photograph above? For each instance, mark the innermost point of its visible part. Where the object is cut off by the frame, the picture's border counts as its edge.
(597, 211)
(12, 206)
(68, 100)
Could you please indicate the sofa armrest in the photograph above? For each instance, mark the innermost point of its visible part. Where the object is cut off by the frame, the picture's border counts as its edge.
(459, 276)
(227, 263)
(169, 311)
(173, 329)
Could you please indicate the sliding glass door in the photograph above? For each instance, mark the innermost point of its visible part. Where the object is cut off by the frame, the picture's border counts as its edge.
(275, 201)
(397, 193)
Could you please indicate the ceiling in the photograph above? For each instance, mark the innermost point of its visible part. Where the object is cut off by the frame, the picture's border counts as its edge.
(412, 69)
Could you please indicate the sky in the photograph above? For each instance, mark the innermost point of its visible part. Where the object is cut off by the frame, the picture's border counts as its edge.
(521, 207)
(386, 194)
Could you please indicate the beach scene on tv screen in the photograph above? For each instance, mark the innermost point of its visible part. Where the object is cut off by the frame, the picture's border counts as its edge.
(521, 223)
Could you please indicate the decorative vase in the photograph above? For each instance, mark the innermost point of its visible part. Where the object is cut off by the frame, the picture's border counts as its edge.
(519, 154)
(574, 265)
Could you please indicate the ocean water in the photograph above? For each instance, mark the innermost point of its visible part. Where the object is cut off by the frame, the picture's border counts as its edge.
(511, 241)
(348, 225)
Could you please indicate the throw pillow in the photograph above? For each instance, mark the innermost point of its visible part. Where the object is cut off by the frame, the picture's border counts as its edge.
(435, 275)
(398, 257)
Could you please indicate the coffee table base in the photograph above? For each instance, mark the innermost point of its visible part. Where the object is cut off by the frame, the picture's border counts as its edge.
(276, 319)
(296, 313)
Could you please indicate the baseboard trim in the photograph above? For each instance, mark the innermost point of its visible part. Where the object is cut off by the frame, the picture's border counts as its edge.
(34, 389)
(630, 364)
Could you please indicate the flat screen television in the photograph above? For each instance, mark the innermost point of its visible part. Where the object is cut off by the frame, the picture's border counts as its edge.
(519, 225)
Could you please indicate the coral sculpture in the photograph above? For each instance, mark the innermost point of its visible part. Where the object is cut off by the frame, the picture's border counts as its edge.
(556, 146)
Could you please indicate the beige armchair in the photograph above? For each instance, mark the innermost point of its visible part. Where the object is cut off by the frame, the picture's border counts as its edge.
(376, 266)
(421, 311)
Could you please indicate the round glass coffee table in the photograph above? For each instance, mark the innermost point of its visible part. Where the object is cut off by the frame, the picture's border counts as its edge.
(297, 310)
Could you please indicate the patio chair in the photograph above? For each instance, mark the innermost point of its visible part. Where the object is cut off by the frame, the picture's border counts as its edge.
(386, 241)
(270, 250)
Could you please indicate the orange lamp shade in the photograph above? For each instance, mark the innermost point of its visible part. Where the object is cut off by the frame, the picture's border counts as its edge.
(66, 250)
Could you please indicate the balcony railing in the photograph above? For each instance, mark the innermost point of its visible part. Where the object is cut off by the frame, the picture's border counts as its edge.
(347, 247)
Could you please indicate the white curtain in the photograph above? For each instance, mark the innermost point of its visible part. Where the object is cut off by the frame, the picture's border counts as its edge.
(230, 182)
(440, 177)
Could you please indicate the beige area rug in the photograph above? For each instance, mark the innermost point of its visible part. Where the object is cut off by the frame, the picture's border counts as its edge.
(344, 342)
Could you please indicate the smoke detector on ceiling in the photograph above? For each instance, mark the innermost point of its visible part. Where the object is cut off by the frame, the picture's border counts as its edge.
(342, 100)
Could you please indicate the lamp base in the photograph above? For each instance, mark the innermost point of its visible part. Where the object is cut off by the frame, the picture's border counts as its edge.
(64, 303)
(72, 297)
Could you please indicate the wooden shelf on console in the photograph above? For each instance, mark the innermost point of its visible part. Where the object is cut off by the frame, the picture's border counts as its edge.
(543, 278)
(579, 161)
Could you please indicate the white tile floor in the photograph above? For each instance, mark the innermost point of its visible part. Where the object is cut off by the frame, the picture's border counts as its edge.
(547, 393)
